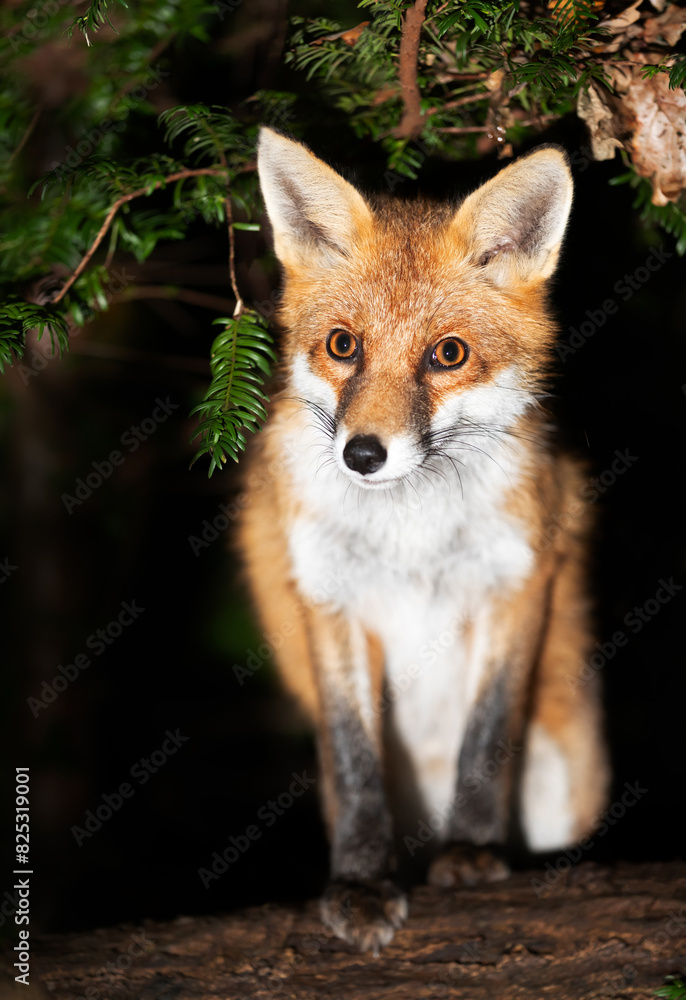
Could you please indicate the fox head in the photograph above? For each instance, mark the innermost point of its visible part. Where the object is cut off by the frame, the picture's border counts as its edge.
(412, 327)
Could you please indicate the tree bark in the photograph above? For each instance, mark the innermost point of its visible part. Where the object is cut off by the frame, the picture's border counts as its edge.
(412, 120)
(593, 932)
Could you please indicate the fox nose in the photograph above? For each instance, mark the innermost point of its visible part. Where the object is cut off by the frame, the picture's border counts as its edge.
(364, 453)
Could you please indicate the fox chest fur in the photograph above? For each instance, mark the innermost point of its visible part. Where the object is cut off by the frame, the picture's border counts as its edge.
(420, 571)
(397, 538)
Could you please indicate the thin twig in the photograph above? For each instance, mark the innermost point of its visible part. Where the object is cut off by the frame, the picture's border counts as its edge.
(459, 101)
(412, 120)
(116, 352)
(462, 129)
(458, 74)
(174, 294)
(155, 51)
(458, 130)
(232, 258)
(180, 175)
(232, 238)
(29, 129)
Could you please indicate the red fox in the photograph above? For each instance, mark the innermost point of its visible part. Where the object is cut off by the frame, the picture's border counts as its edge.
(431, 624)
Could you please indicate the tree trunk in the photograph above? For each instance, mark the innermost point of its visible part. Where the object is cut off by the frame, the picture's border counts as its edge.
(593, 932)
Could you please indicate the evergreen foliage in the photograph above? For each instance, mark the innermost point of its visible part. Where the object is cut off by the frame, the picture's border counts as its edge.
(668, 217)
(94, 18)
(674, 990)
(234, 401)
(128, 183)
(466, 50)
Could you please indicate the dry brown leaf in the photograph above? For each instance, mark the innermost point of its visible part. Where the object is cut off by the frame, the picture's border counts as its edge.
(656, 118)
(601, 123)
(349, 36)
(494, 80)
(615, 25)
(619, 41)
(620, 75)
(670, 26)
(643, 116)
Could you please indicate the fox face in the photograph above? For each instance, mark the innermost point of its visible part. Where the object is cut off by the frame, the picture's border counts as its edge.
(416, 327)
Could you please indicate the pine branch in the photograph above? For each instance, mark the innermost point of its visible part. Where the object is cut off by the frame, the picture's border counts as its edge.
(94, 18)
(677, 74)
(234, 402)
(18, 318)
(179, 175)
(174, 294)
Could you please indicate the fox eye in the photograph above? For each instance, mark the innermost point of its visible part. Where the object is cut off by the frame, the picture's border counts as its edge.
(341, 345)
(449, 353)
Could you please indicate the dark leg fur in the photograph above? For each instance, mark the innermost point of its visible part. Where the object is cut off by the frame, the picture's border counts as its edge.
(361, 904)
(478, 829)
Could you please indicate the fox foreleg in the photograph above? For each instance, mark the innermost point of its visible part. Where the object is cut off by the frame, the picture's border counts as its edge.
(361, 904)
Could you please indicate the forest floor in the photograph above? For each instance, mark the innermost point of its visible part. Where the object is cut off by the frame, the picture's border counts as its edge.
(587, 933)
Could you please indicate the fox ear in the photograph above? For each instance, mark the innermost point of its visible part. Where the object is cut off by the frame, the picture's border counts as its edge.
(512, 226)
(317, 217)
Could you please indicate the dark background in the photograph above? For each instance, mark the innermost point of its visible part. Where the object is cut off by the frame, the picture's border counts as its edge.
(173, 667)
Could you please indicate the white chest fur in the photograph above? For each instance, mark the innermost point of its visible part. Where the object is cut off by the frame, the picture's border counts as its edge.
(416, 566)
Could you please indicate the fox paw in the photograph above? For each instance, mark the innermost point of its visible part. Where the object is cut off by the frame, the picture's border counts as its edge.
(467, 864)
(365, 913)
